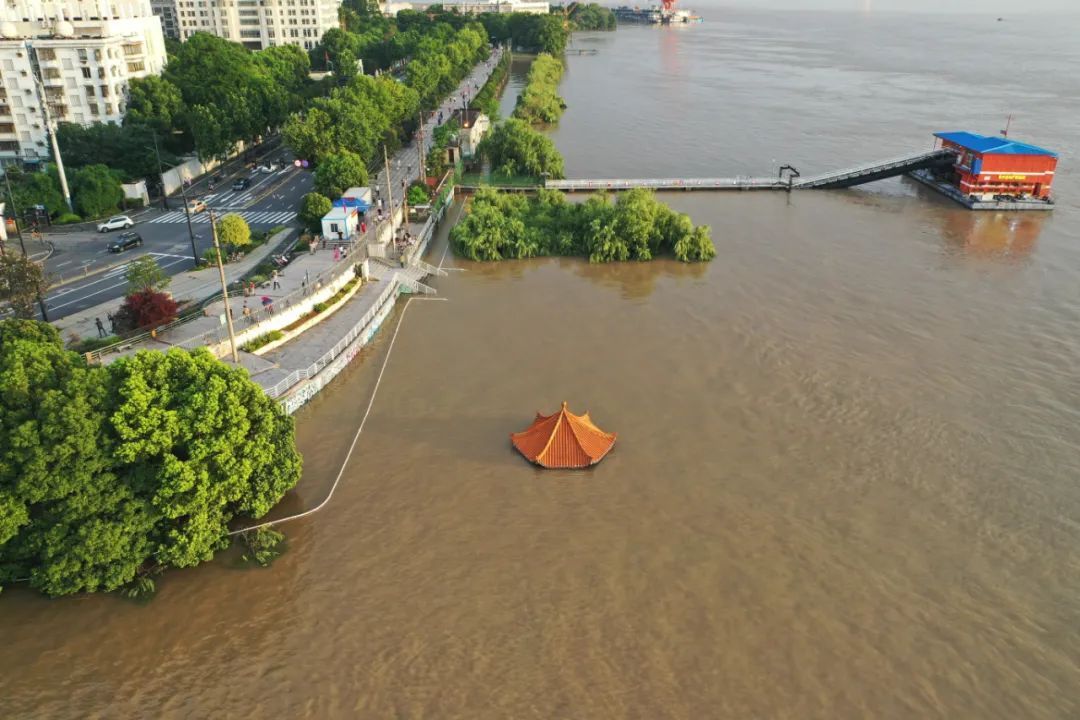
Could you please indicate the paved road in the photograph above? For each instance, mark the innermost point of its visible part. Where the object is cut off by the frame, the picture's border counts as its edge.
(272, 199)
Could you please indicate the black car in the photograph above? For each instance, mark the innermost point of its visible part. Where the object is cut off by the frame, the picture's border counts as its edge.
(125, 241)
(241, 184)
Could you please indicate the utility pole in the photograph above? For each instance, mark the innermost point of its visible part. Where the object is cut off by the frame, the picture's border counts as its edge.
(161, 173)
(224, 289)
(389, 190)
(35, 67)
(420, 149)
(187, 213)
(22, 244)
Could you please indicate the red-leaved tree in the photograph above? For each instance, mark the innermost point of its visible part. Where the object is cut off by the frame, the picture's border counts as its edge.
(146, 309)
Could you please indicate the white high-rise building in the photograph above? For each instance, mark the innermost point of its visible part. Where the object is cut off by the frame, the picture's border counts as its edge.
(85, 53)
(256, 24)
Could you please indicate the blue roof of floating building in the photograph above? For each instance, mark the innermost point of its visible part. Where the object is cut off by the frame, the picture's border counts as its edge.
(993, 145)
(349, 202)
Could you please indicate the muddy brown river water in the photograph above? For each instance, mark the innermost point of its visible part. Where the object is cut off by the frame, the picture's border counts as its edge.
(846, 480)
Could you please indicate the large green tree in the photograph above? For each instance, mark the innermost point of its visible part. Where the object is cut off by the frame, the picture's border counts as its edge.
(128, 149)
(97, 191)
(33, 188)
(514, 148)
(338, 173)
(312, 209)
(66, 520)
(107, 473)
(156, 103)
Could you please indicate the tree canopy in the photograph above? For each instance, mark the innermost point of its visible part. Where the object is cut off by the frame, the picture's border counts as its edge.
(34, 188)
(338, 173)
(233, 231)
(96, 191)
(539, 101)
(312, 209)
(514, 148)
(144, 273)
(592, 17)
(636, 227)
(22, 282)
(108, 473)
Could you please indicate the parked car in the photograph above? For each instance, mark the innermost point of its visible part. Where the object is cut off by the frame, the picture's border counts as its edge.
(196, 206)
(124, 242)
(118, 222)
(241, 184)
(268, 168)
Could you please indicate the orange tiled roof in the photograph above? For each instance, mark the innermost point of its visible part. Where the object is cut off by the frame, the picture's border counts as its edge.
(563, 440)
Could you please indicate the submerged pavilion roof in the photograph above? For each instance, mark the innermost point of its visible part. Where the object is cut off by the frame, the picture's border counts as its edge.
(563, 440)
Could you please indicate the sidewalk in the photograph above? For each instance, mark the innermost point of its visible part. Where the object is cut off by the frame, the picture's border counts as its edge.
(195, 285)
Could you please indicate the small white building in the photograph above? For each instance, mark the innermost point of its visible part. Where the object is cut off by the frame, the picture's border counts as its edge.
(347, 213)
(474, 125)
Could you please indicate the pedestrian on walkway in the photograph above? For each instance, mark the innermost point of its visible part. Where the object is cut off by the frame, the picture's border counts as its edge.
(313, 245)
(251, 288)
(246, 312)
(337, 253)
(100, 328)
(274, 276)
(363, 227)
(112, 322)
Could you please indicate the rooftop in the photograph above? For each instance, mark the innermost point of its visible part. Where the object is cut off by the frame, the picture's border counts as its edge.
(988, 144)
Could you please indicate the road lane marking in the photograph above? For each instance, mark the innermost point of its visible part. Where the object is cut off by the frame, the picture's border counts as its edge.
(98, 292)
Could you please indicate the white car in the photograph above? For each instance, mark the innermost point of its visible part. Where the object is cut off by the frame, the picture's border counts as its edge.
(119, 222)
(269, 168)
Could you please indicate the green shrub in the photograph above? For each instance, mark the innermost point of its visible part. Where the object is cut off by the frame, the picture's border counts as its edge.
(319, 307)
(263, 546)
(67, 219)
(94, 343)
(262, 341)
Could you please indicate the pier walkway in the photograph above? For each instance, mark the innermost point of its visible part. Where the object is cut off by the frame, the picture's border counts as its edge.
(787, 179)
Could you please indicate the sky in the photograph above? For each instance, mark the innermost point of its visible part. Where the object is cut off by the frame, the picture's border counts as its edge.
(997, 7)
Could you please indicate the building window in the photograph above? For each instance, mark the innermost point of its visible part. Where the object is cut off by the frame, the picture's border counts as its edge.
(134, 67)
(86, 73)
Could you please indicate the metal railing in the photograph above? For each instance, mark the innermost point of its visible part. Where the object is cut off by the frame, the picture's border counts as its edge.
(314, 283)
(666, 183)
(310, 371)
(868, 168)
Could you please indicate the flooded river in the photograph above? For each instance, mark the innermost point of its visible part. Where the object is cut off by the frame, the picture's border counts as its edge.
(845, 484)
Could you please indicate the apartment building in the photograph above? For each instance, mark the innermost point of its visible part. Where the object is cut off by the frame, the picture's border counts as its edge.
(470, 7)
(84, 52)
(166, 10)
(256, 24)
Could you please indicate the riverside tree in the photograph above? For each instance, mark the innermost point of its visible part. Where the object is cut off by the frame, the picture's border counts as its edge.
(636, 227)
(539, 102)
(108, 474)
(514, 148)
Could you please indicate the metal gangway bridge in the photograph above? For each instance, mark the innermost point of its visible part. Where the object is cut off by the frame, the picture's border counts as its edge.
(787, 179)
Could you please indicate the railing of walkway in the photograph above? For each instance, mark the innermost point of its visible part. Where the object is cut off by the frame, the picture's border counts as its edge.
(872, 167)
(261, 313)
(665, 183)
(297, 375)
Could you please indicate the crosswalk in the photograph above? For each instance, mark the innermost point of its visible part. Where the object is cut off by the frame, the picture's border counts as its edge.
(253, 217)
